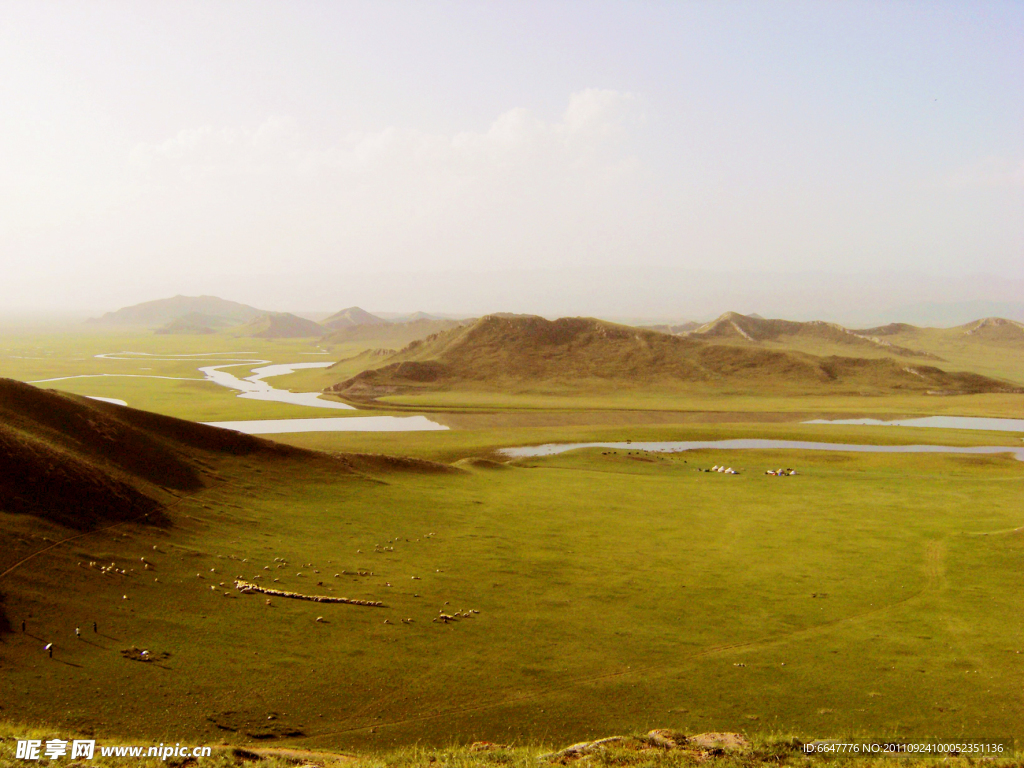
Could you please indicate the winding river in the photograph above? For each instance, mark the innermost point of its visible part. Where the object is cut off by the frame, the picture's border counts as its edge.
(255, 388)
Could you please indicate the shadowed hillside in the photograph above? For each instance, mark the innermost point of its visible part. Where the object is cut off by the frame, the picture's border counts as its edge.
(78, 461)
(279, 325)
(573, 354)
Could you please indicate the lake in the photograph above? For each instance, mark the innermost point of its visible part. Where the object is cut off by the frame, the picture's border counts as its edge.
(678, 446)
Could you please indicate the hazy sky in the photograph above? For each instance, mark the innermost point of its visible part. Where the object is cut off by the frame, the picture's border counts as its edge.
(250, 149)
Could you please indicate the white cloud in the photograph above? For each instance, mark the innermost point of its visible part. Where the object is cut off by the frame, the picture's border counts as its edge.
(592, 122)
(523, 190)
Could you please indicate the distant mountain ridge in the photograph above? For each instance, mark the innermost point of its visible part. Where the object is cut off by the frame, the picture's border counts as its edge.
(673, 329)
(934, 314)
(279, 325)
(163, 311)
(393, 334)
(194, 323)
(525, 352)
(353, 316)
(754, 329)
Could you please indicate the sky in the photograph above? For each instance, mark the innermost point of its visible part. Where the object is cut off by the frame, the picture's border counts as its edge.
(594, 157)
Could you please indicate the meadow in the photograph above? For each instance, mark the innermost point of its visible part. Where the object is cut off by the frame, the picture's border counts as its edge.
(36, 356)
(616, 592)
(601, 592)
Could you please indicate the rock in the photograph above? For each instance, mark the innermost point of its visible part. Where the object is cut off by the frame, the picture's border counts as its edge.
(583, 748)
(727, 742)
(666, 738)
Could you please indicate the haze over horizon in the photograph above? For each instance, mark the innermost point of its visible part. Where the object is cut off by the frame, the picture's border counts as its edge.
(661, 159)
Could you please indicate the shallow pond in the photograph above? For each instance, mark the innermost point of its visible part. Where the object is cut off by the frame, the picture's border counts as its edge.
(939, 422)
(679, 446)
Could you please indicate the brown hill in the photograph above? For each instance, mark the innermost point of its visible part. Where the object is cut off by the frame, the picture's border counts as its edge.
(78, 461)
(395, 335)
(516, 353)
(995, 330)
(280, 325)
(891, 329)
(814, 337)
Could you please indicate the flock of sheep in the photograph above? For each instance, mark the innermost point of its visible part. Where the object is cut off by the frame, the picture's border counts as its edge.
(248, 588)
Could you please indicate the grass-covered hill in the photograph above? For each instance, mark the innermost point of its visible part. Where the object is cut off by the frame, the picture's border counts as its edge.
(814, 337)
(993, 346)
(162, 311)
(522, 353)
(279, 325)
(988, 330)
(81, 462)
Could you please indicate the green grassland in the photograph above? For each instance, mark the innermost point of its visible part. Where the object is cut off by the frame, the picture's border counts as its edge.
(616, 592)
(34, 356)
(633, 750)
(873, 594)
(842, 406)
(484, 441)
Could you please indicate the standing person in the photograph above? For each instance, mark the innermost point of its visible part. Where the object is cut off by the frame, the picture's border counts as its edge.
(94, 628)
(22, 625)
(78, 633)
(49, 649)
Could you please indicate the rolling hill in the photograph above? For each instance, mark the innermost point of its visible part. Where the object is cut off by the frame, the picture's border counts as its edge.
(279, 325)
(79, 462)
(352, 317)
(814, 337)
(992, 346)
(527, 353)
(995, 330)
(162, 311)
